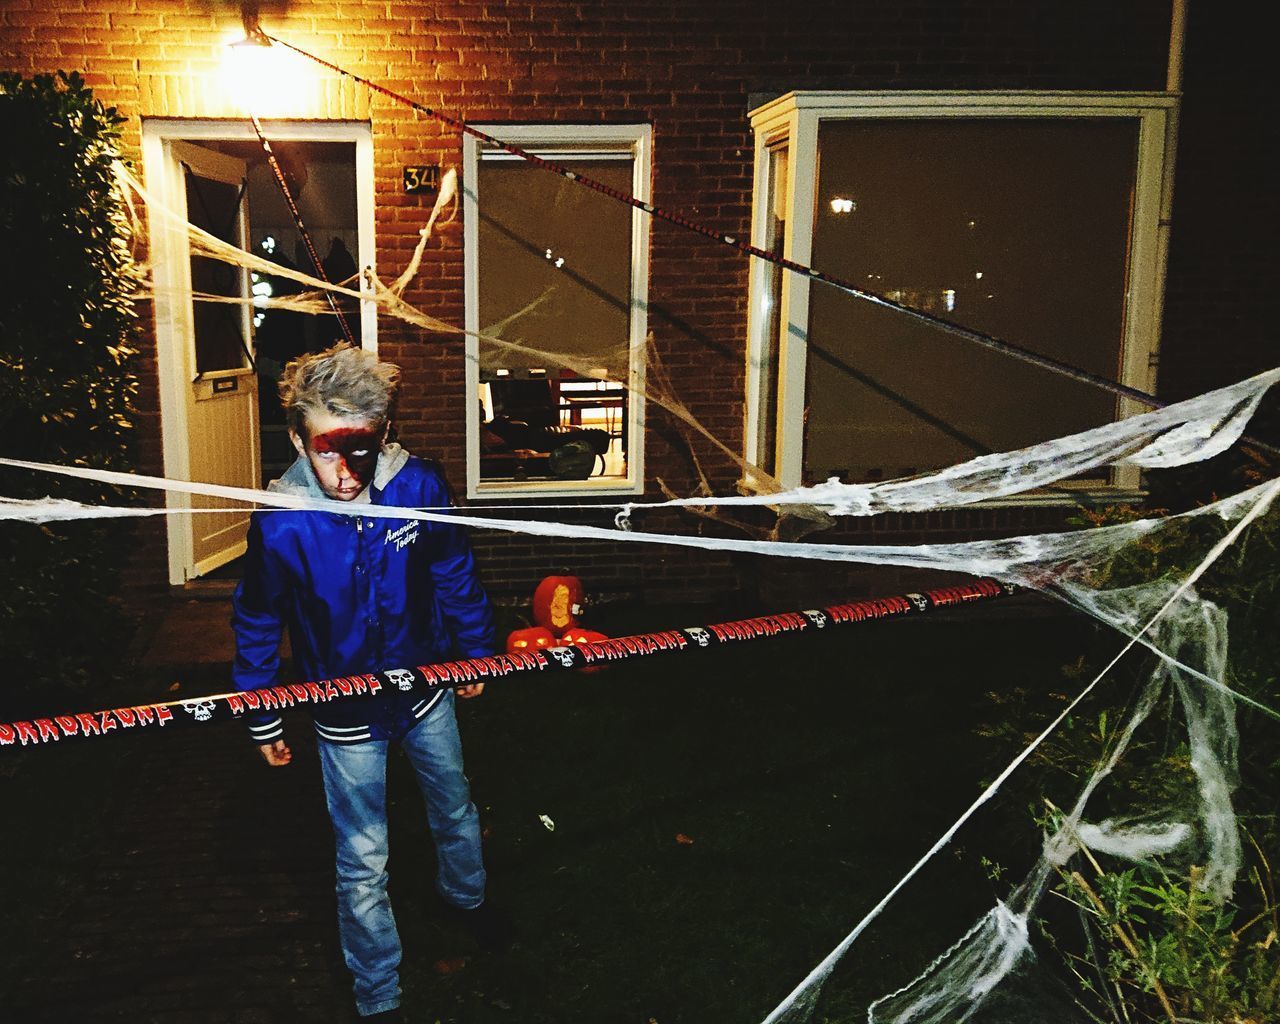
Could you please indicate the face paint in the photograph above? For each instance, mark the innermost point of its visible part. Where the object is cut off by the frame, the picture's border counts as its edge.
(344, 459)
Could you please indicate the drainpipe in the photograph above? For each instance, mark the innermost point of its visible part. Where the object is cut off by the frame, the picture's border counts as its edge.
(1173, 86)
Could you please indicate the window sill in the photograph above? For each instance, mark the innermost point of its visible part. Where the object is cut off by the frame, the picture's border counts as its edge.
(1066, 496)
(554, 489)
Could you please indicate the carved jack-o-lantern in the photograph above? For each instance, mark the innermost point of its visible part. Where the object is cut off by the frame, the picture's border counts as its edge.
(578, 635)
(535, 638)
(557, 603)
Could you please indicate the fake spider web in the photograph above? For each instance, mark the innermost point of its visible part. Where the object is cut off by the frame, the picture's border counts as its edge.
(1187, 634)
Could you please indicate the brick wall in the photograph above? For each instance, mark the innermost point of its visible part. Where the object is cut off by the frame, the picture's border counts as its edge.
(692, 71)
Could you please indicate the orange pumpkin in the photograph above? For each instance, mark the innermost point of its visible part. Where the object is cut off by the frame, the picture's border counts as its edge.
(578, 635)
(557, 603)
(535, 638)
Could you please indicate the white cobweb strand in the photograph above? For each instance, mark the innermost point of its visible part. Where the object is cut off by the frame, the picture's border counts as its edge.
(982, 958)
(1192, 630)
(1189, 431)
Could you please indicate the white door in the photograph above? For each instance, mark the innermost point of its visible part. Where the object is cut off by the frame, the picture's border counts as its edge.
(214, 353)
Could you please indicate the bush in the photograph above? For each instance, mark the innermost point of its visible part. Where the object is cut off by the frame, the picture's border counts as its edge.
(66, 320)
(1153, 946)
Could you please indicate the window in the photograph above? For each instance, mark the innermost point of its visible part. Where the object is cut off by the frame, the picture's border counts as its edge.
(1036, 218)
(556, 286)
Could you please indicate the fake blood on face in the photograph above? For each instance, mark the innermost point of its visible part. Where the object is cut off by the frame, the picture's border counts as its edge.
(344, 459)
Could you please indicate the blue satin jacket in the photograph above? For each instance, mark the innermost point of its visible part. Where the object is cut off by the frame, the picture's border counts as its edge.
(358, 595)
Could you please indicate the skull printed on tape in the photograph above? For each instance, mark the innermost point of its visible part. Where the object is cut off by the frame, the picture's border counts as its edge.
(700, 635)
(402, 678)
(563, 655)
(201, 710)
(818, 618)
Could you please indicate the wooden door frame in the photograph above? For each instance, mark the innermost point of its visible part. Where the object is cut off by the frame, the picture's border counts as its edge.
(168, 245)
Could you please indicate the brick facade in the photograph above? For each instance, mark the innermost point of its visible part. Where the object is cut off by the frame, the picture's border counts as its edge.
(692, 71)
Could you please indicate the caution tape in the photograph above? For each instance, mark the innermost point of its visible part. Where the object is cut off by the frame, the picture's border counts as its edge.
(429, 678)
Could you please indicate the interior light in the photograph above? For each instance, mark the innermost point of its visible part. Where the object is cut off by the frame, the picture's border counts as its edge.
(842, 205)
(977, 276)
(949, 298)
(503, 373)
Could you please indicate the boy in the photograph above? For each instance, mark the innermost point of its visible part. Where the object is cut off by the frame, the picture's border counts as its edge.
(359, 595)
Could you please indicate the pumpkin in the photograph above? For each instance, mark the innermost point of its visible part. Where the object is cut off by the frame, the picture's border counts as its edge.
(535, 638)
(578, 635)
(557, 603)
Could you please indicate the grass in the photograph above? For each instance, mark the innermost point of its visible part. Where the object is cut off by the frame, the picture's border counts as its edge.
(809, 776)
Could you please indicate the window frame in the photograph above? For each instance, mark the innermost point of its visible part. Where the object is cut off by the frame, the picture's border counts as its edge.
(561, 142)
(795, 119)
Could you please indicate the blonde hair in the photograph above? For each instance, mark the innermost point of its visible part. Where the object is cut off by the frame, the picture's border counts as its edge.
(341, 381)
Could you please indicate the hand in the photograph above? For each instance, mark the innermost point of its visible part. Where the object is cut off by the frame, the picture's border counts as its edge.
(276, 754)
(470, 690)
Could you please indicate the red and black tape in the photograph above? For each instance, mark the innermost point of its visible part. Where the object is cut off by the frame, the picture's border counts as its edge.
(427, 678)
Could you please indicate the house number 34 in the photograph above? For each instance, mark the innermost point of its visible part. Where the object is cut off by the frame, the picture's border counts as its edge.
(425, 178)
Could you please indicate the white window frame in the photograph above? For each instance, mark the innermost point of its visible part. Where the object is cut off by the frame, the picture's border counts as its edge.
(561, 142)
(796, 118)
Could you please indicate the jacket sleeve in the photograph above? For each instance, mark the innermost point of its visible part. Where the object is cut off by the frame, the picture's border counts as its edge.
(257, 619)
(462, 600)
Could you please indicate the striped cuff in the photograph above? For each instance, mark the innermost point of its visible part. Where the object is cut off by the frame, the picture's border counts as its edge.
(421, 709)
(265, 732)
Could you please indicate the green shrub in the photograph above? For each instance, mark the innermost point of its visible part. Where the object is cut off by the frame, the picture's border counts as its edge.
(1158, 949)
(66, 321)
(1145, 943)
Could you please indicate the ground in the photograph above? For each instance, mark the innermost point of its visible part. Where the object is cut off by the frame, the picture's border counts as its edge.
(720, 822)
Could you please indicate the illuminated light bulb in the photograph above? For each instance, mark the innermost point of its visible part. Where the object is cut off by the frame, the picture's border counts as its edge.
(262, 79)
(559, 262)
(842, 205)
(978, 276)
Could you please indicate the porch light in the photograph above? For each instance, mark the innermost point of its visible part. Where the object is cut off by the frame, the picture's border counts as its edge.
(260, 77)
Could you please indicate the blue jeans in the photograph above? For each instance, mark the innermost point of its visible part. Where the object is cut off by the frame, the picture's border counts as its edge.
(355, 786)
